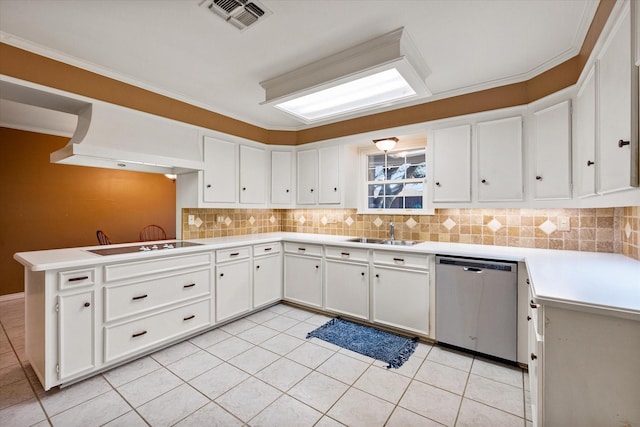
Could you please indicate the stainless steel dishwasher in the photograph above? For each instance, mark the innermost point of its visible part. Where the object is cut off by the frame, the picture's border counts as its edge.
(477, 305)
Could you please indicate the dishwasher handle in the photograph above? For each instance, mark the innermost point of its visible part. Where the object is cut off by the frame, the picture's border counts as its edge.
(472, 269)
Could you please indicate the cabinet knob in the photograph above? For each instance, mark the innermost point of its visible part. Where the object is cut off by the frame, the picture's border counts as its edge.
(362, 273)
(244, 188)
(208, 185)
(335, 189)
(437, 183)
(622, 143)
(589, 163)
(377, 275)
(528, 282)
(257, 267)
(221, 274)
(311, 190)
(87, 304)
(484, 181)
(528, 318)
(287, 190)
(533, 305)
(533, 356)
(317, 266)
(538, 178)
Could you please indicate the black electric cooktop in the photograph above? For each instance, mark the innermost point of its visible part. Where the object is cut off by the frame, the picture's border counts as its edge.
(155, 247)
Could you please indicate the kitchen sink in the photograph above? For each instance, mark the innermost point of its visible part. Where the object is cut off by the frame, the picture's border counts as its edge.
(383, 241)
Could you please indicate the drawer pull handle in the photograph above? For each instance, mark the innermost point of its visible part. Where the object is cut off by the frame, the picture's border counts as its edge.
(77, 279)
(302, 249)
(538, 178)
(345, 254)
(191, 285)
(235, 254)
(140, 297)
(189, 317)
(622, 143)
(533, 356)
(139, 334)
(589, 163)
(398, 259)
(267, 249)
(87, 304)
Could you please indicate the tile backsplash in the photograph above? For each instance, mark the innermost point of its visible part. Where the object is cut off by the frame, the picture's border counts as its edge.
(600, 230)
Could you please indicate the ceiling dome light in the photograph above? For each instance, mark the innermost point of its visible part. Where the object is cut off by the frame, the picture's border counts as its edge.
(386, 144)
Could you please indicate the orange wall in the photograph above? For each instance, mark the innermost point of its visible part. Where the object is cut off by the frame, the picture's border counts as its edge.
(46, 206)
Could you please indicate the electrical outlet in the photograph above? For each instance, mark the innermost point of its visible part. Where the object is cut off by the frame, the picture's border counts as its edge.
(220, 218)
(192, 219)
(564, 224)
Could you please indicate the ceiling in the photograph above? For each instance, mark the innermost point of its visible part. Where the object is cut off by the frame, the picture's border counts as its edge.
(181, 49)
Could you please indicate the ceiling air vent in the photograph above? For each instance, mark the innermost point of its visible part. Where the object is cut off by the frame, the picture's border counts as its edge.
(240, 13)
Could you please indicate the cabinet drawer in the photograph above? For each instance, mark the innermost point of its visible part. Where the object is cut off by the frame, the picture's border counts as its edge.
(159, 265)
(266, 249)
(401, 259)
(352, 254)
(134, 298)
(224, 255)
(127, 338)
(76, 278)
(303, 249)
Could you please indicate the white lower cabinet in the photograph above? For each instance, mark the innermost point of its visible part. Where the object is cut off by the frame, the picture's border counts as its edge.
(401, 294)
(76, 320)
(267, 274)
(346, 288)
(583, 368)
(303, 274)
(233, 283)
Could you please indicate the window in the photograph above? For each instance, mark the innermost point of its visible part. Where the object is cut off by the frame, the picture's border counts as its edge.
(395, 181)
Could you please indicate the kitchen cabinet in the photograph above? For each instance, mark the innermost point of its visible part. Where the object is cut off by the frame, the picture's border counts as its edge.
(321, 173)
(267, 274)
(252, 175)
(303, 274)
(281, 177)
(584, 131)
(552, 153)
(233, 283)
(499, 160)
(400, 291)
(451, 164)
(573, 381)
(614, 162)
(76, 322)
(220, 173)
(346, 282)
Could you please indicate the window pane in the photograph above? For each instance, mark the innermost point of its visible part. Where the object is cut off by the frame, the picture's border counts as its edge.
(418, 171)
(375, 202)
(376, 174)
(413, 202)
(394, 202)
(376, 160)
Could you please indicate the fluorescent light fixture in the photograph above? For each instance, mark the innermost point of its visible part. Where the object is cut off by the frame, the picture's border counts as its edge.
(374, 74)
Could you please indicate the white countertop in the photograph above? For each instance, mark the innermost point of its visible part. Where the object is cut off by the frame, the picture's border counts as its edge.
(582, 280)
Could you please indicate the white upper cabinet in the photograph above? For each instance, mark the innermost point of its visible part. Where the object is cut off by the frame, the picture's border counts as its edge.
(252, 175)
(281, 177)
(552, 153)
(451, 164)
(614, 109)
(499, 146)
(329, 165)
(307, 183)
(221, 161)
(584, 136)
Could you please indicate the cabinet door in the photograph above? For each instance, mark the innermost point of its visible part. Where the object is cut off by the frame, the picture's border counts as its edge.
(307, 177)
(76, 333)
(329, 175)
(220, 162)
(552, 153)
(614, 109)
(281, 177)
(267, 280)
(347, 288)
(451, 164)
(500, 160)
(401, 298)
(233, 289)
(303, 280)
(584, 136)
(252, 175)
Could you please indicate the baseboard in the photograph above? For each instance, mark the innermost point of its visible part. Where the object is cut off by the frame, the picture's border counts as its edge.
(9, 297)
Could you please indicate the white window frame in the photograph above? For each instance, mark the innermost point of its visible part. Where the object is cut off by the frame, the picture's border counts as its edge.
(363, 204)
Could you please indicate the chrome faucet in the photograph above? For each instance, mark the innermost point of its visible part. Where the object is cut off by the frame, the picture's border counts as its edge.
(392, 230)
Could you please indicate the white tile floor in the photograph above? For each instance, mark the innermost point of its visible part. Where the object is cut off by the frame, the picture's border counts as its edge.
(261, 371)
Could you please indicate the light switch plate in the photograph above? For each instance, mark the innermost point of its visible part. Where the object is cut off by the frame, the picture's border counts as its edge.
(564, 224)
(191, 219)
